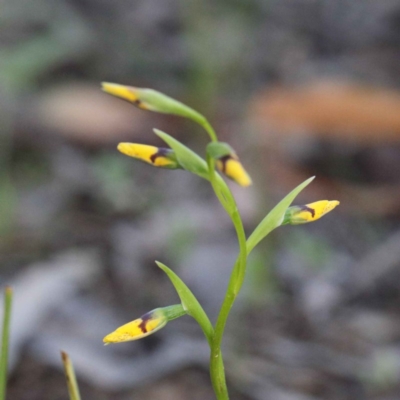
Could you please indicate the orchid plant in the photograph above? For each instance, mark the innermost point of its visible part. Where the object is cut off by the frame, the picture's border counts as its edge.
(219, 157)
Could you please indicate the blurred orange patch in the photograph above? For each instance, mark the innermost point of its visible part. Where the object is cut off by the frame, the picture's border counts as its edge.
(331, 109)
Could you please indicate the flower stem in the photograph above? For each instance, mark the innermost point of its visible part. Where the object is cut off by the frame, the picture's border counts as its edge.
(209, 129)
(227, 200)
(234, 286)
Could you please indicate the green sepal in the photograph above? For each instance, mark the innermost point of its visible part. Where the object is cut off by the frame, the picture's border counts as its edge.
(189, 302)
(159, 102)
(216, 150)
(152, 100)
(275, 217)
(173, 312)
(187, 158)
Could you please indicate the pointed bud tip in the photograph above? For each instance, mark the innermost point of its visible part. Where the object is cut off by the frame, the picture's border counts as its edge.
(124, 148)
(331, 204)
(245, 181)
(106, 340)
(121, 91)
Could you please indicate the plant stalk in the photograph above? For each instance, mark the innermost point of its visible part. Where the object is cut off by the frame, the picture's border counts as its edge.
(227, 200)
(5, 342)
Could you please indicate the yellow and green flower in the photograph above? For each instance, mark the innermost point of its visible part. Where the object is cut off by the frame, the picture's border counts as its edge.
(296, 215)
(157, 156)
(145, 325)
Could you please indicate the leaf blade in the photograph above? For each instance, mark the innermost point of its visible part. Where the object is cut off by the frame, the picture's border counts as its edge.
(275, 217)
(187, 158)
(189, 302)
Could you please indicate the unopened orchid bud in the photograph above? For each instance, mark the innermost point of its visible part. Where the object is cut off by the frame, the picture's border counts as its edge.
(157, 156)
(149, 99)
(146, 325)
(233, 169)
(228, 162)
(296, 215)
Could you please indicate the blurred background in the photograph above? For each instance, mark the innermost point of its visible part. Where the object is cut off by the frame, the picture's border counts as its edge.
(299, 88)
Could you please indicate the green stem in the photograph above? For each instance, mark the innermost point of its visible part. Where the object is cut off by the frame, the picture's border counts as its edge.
(227, 200)
(234, 286)
(210, 130)
(4, 342)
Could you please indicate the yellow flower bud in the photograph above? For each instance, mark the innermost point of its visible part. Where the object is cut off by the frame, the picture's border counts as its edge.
(139, 328)
(145, 325)
(308, 213)
(233, 169)
(157, 156)
(149, 99)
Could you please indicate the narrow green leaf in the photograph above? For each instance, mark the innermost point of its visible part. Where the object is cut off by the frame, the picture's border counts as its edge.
(274, 217)
(189, 302)
(187, 158)
(4, 342)
(72, 384)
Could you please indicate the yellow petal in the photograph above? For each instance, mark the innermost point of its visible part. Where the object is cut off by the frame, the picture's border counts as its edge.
(309, 212)
(234, 170)
(138, 329)
(318, 209)
(124, 92)
(150, 154)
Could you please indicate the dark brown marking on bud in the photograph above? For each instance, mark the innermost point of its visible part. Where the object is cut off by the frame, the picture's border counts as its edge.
(145, 319)
(162, 152)
(224, 160)
(310, 210)
(137, 102)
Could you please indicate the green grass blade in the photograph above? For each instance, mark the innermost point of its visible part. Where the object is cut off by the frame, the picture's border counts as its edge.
(72, 384)
(4, 342)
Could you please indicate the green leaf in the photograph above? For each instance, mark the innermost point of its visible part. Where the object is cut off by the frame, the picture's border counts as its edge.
(189, 302)
(219, 149)
(274, 217)
(4, 342)
(188, 159)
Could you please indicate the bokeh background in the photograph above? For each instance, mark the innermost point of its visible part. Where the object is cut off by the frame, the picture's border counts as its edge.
(299, 88)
